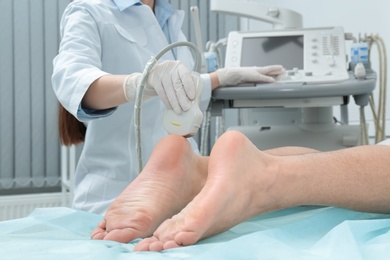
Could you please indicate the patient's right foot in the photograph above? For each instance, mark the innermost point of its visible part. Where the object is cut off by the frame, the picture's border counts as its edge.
(173, 176)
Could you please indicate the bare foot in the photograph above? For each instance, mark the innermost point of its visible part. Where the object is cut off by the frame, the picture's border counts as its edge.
(170, 180)
(233, 193)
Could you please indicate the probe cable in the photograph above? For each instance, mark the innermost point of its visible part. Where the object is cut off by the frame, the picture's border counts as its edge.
(140, 88)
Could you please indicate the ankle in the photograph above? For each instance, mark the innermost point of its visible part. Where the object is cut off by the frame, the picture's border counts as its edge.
(290, 187)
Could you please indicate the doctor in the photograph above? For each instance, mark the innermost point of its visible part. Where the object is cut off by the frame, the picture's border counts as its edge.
(104, 47)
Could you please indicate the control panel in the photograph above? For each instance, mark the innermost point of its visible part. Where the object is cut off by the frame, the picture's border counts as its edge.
(314, 55)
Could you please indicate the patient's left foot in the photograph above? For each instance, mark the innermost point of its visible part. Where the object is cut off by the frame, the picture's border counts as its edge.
(171, 179)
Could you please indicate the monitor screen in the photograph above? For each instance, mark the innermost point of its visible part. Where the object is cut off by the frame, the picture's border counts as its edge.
(282, 50)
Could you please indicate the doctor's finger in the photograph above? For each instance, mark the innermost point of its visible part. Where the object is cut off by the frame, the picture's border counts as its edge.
(187, 81)
(161, 92)
(271, 70)
(182, 97)
(181, 78)
(264, 78)
(169, 88)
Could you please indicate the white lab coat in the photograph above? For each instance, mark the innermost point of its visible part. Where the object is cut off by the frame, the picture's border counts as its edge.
(98, 38)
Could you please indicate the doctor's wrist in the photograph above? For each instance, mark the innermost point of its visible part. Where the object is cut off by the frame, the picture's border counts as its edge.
(215, 83)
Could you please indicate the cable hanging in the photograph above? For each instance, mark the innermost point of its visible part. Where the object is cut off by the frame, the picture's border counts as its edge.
(140, 88)
(379, 113)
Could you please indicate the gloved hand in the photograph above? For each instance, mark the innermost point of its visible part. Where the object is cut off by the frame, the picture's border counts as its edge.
(171, 80)
(238, 75)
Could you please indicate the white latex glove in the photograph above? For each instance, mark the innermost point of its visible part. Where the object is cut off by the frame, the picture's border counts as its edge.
(238, 75)
(170, 80)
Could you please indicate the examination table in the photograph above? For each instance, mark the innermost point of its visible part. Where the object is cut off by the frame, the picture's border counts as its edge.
(296, 233)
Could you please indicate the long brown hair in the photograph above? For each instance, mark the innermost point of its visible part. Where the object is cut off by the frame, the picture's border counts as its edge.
(70, 129)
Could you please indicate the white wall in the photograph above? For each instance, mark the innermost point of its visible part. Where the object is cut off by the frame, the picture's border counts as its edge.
(357, 17)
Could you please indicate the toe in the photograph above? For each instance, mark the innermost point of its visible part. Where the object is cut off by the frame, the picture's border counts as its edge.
(170, 244)
(102, 224)
(156, 246)
(122, 235)
(187, 238)
(98, 234)
(144, 244)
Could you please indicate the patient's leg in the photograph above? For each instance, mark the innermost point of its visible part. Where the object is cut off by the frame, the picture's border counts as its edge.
(233, 193)
(171, 179)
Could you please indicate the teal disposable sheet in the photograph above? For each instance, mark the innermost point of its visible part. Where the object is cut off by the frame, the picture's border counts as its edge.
(296, 233)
